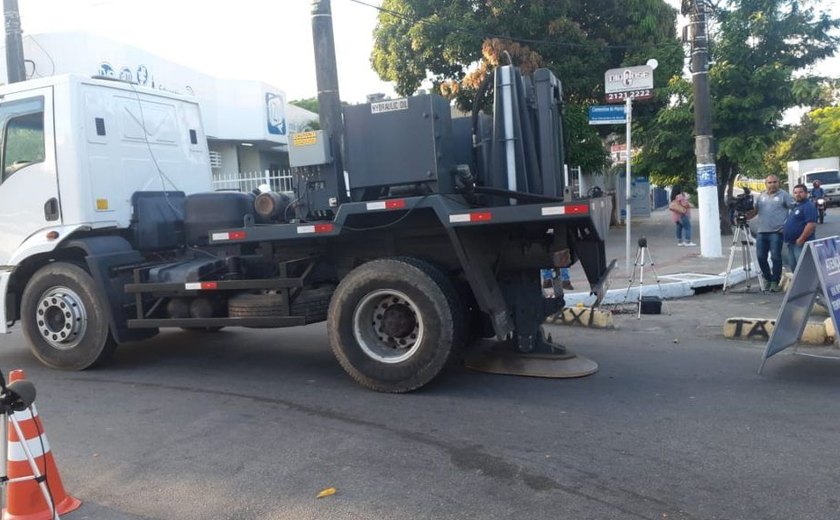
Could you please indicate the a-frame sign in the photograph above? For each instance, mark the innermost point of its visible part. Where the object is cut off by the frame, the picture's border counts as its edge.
(817, 272)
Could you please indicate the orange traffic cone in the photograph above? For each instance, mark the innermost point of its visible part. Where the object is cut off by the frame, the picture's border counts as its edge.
(24, 500)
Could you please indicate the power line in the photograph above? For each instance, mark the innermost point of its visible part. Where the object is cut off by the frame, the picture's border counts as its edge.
(518, 39)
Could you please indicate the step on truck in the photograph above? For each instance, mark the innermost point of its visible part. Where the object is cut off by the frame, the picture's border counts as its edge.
(409, 232)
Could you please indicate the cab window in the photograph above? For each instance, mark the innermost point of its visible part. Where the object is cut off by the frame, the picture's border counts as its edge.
(23, 134)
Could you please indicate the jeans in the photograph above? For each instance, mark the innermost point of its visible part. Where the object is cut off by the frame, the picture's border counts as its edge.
(769, 243)
(792, 254)
(684, 228)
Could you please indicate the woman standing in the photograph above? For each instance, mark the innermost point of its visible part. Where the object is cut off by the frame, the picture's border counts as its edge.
(681, 216)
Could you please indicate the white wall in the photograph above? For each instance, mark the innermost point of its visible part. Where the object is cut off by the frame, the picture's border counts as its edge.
(249, 159)
(230, 162)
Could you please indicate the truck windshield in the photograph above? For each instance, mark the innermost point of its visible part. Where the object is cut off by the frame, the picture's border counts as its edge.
(826, 177)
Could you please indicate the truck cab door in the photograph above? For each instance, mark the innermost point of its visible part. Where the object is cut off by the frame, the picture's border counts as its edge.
(29, 200)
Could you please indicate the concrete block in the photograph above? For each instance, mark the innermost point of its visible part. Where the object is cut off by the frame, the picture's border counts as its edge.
(583, 317)
(748, 328)
(830, 332)
(814, 333)
(784, 283)
(761, 328)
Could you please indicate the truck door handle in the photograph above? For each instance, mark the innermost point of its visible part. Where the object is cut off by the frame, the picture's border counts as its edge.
(51, 209)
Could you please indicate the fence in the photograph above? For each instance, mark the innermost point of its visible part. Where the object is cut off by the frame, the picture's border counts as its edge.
(279, 180)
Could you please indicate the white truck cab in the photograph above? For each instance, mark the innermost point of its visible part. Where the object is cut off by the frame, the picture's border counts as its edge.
(824, 169)
(74, 151)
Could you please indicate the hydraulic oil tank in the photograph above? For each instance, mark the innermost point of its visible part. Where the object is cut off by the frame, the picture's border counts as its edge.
(204, 212)
(399, 142)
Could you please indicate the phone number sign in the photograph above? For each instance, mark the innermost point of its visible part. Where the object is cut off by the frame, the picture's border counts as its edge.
(628, 82)
(618, 97)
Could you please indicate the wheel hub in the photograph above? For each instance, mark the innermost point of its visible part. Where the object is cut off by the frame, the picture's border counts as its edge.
(398, 321)
(61, 318)
(388, 326)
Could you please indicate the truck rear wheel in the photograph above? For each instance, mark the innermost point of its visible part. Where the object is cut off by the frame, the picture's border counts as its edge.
(64, 318)
(392, 323)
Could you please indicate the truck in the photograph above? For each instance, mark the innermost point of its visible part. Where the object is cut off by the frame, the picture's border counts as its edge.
(824, 169)
(408, 232)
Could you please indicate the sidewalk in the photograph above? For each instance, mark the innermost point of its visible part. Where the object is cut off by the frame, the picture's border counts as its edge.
(681, 270)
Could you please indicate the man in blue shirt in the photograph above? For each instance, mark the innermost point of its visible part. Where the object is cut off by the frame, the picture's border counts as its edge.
(800, 225)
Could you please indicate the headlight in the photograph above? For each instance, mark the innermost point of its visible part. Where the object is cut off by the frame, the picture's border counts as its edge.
(820, 201)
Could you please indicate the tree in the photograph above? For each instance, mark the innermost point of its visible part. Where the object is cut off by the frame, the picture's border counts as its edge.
(310, 104)
(757, 46)
(453, 44)
(817, 135)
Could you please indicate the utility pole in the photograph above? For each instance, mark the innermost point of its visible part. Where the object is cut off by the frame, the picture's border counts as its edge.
(15, 68)
(704, 144)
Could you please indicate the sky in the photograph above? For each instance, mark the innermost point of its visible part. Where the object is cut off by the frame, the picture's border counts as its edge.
(265, 40)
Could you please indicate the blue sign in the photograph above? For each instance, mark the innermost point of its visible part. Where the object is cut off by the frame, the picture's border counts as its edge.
(706, 175)
(607, 115)
(275, 112)
(828, 262)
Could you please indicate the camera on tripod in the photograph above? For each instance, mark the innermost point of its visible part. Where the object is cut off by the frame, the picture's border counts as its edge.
(742, 204)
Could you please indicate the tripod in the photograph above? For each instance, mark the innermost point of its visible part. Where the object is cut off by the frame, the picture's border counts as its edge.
(744, 238)
(641, 252)
(18, 396)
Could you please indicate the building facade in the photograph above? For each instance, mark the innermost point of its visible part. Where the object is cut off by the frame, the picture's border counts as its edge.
(247, 123)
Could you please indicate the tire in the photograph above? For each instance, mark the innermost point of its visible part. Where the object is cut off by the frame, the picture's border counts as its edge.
(65, 319)
(393, 324)
(311, 304)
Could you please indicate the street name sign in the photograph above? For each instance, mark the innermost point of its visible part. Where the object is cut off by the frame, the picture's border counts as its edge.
(607, 115)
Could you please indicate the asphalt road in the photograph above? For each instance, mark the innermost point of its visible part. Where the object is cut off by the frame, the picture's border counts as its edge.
(252, 424)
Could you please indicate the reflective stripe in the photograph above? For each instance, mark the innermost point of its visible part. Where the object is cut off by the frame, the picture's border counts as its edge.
(233, 235)
(554, 210)
(198, 286)
(26, 415)
(386, 204)
(478, 216)
(317, 228)
(17, 454)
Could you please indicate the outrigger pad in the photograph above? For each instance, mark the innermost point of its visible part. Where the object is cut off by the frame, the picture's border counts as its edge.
(503, 358)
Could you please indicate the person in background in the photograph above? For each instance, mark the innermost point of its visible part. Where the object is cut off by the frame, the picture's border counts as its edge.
(800, 225)
(771, 207)
(682, 221)
(566, 279)
(817, 192)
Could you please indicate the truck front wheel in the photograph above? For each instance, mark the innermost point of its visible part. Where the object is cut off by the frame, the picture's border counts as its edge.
(392, 324)
(64, 319)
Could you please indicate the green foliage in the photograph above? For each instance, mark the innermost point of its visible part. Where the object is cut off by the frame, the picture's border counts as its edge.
(827, 132)
(310, 104)
(453, 42)
(585, 148)
(757, 47)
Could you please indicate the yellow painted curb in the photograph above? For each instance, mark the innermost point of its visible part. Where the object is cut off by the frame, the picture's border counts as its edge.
(830, 333)
(583, 317)
(784, 283)
(815, 332)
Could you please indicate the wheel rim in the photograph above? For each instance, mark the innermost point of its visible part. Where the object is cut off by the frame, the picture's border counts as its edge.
(61, 318)
(388, 326)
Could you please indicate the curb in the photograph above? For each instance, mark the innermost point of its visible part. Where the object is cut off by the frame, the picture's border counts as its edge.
(583, 317)
(815, 333)
(685, 285)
